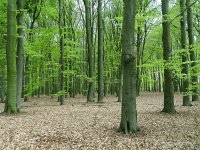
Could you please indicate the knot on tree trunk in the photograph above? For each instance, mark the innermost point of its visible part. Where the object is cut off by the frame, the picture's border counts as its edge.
(127, 58)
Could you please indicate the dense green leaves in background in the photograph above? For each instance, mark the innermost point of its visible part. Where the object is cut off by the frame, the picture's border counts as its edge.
(42, 58)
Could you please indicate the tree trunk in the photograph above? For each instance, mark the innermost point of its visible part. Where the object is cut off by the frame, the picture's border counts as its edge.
(2, 83)
(120, 83)
(90, 50)
(138, 59)
(128, 122)
(20, 51)
(61, 99)
(195, 95)
(168, 78)
(185, 66)
(100, 54)
(10, 106)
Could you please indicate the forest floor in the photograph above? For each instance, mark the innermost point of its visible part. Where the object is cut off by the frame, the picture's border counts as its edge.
(43, 124)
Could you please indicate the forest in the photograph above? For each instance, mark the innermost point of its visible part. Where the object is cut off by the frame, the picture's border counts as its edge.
(100, 74)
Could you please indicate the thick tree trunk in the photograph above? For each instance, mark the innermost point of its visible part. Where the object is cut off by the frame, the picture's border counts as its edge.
(20, 51)
(195, 95)
(168, 78)
(10, 106)
(128, 122)
(185, 86)
(100, 54)
(90, 94)
(61, 99)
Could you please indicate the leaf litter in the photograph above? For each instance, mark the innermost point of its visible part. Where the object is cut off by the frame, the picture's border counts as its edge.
(44, 125)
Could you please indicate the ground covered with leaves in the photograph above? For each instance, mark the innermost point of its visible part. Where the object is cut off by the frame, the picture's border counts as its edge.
(43, 124)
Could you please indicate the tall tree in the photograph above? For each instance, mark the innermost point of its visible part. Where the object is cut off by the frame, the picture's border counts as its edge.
(88, 24)
(168, 78)
(34, 12)
(195, 95)
(128, 113)
(61, 97)
(185, 86)
(100, 54)
(20, 51)
(10, 106)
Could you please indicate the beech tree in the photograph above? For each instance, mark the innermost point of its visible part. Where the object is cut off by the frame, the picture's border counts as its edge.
(128, 122)
(168, 77)
(88, 26)
(10, 106)
(185, 70)
(195, 90)
(61, 97)
(100, 54)
(20, 51)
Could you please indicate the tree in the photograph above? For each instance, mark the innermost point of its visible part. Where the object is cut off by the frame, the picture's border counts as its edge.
(128, 122)
(195, 90)
(34, 12)
(185, 86)
(61, 98)
(10, 106)
(20, 51)
(90, 49)
(168, 77)
(2, 83)
(100, 54)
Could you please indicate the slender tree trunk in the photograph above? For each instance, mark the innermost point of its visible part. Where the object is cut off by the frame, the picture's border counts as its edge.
(35, 14)
(100, 54)
(168, 78)
(185, 87)
(128, 122)
(138, 59)
(195, 95)
(20, 51)
(120, 83)
(27, 78)
(90, 50)
(10, 106)
(3, 83)
(61, 51)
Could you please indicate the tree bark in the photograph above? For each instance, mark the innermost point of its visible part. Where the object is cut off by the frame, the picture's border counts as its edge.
(90, 94)
(128, 122)
(100, 54)
(168, 78)
(10, 106)
(185, 86)
(2, 83)
(20, 51)
(61, 99)
(195, 90)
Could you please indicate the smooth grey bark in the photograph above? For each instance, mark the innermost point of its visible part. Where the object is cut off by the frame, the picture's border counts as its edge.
(195, 90)
(100, 54)
(61, 98)
(20, 51)
(88, 18)
(168, 78)
(128, 122)
(185, 66)
(10, 106)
